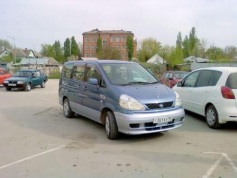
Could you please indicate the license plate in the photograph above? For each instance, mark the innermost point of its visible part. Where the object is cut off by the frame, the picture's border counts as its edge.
(11, 84)
(162, 120)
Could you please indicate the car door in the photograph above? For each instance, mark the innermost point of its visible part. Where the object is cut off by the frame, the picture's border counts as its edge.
(201, 90)
(36, 78)
(93, 93)
(186, 91)
(76, 88)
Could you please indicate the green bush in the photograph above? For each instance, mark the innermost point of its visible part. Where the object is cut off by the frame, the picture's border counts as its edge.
(55, 74)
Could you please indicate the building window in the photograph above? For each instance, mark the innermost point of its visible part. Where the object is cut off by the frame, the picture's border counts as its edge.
(87, 47)
(86, 39)
(104, 42)
(111, 39)
(92, 47)
(123, 47)
(117, 39)
(118, 47)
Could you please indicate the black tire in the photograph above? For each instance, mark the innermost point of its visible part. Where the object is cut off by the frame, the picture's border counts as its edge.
(67, 111)
(212, 119)
(8, 88)
(111, 128)
(28, 87)
(43, 84)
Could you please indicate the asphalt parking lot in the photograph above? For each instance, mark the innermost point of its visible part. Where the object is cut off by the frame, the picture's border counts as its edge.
(37, 141)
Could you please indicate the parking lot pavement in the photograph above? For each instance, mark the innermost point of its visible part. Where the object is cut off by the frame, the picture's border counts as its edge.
(38, 141)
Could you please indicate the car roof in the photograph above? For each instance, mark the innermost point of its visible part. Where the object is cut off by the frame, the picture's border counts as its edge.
(29, 70)
(102, 61)
(222, 69)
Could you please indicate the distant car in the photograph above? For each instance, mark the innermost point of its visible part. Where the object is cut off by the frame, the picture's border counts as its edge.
(210, 92)
(26, 79)
(4, 75)
(170, 78)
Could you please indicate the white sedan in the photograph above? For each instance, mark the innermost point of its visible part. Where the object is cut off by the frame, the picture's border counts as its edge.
(210, 92)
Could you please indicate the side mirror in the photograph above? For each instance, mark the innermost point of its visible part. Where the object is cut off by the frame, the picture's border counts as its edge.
(93, 81)
(179, 84)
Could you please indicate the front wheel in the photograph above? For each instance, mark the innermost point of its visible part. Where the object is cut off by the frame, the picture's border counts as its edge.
(43, 84)
(212, 117)
(111, 127)
(28, 87)
(67, 111)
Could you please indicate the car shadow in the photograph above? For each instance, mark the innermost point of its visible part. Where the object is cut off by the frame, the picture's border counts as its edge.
(202, 120)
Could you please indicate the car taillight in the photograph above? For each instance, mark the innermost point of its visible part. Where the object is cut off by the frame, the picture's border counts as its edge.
(227, 93)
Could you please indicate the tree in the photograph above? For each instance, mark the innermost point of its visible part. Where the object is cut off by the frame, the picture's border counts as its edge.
(67, 48)
(74, 47)
(179, 41)
(99, 48)
(230, 52)
(215, 53)
(5, 44)
(48, 50)
(130, 47)
(58, 52)
(192, 42)
(149, 48)
(186, 47)
(110, 53)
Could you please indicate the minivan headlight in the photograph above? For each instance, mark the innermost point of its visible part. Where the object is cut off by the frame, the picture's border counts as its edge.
(130, 103)
(178, 102)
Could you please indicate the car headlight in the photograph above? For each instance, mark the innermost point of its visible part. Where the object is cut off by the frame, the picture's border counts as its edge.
(20, 82)
(6, 81)
(178, 102)
(130, 103)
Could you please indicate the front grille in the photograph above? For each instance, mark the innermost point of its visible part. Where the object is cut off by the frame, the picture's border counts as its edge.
(13, 82)
(160, 105)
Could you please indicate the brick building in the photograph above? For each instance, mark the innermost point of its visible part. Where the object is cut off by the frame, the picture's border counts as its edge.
(113, 38)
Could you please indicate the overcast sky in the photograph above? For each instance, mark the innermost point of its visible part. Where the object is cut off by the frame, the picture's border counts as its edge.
(36, 22)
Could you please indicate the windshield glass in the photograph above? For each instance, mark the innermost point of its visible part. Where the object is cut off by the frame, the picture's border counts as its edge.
(22, 74)
(128, 74)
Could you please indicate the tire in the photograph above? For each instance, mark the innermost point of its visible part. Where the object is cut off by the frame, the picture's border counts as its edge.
(111, 128)
(67, 111)
(8, 88)
(212, 117)
(28, 87)
(43, 84)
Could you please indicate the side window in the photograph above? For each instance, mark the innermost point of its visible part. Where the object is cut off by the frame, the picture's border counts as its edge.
(92, 73)
(37, 74)
(231, 81)
(78, 73)
(66, 72)
(166, 76)
(204, 78)
(191, 79)
(214, 78)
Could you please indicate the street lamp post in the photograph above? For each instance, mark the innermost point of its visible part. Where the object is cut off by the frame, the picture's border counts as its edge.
(13, 38)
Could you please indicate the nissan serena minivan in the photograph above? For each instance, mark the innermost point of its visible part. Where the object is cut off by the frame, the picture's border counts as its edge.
(121, 95)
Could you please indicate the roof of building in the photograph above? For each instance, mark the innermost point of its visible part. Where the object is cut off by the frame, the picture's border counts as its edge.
(97, 31)
(39, 61)
(156, 59)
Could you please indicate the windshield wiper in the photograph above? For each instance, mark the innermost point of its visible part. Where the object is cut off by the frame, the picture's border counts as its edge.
(134, 83)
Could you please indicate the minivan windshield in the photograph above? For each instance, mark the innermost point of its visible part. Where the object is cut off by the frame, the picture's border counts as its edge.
(128, 74)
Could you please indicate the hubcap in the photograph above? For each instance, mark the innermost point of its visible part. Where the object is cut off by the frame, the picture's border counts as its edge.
(211, 117)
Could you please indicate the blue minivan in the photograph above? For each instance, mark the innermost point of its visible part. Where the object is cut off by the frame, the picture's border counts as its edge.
(121, 95)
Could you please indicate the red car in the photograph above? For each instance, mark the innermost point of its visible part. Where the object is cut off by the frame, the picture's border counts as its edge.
(4, 75)
(170, 78)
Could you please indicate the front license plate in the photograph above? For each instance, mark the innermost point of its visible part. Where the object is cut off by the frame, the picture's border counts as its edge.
(10, 84)
(162, 120)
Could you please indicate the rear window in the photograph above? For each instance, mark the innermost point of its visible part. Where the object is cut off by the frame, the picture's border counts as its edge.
(231, 81)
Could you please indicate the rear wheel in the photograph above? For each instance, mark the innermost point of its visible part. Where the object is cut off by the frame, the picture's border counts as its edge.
(67, 111)
(28, 87)
(111, 127)
(212, 117)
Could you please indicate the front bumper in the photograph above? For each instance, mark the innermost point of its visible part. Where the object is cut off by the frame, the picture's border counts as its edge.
(142, 123)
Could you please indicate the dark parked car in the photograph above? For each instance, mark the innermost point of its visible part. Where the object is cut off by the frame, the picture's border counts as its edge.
(170, 78)
(4, 75)
(26, 79)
